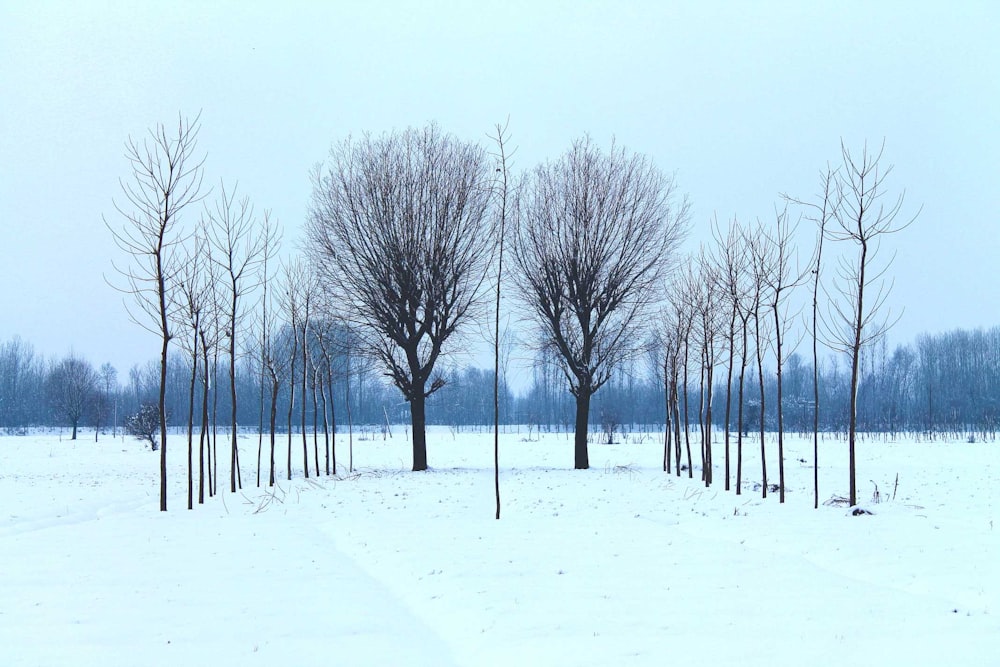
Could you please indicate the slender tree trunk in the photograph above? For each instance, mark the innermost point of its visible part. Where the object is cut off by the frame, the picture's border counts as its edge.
(315, 405)
(739, 417)
(204, 425)
(815, 351)
(710, 362)
(701, 414)
(687, 412)
(326, 423)
(275, 387)
(350, 420)
(260, 421)
(729, 386)
(291, 399)
(234, 464)
(305, 374)
(190, 424)
(666, 418)
(675, 399)
(760, 382)
(333, 421)
(855, 361)
(778, 405)
(215, 422)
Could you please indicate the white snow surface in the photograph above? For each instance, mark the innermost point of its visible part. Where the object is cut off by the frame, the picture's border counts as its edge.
(621, 564)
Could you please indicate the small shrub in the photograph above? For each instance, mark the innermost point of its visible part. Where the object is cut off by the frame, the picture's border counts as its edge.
(144, 424)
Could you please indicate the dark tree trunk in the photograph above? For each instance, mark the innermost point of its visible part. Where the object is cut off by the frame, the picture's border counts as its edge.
(855, 374)
(708, 415)
(333, 423)
(291, 398)
(760, 379)
(234, 463)
(676, 401)
(162, 405)
(739, 415)
(581, 460)
(729, 387)
(781, 419)
(418, 422)
(305, 377)
(204, 428)
(687, 419)
(275, 386)
(190, 424)
(666, 419)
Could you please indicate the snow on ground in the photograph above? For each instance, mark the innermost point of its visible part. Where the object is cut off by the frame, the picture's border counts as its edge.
(619, 564)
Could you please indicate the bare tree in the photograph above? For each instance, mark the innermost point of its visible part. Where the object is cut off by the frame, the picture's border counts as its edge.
(731, 270)
(109, 391)
(294, 276)
(823, 213)
(238, 246)
(502, 191)
(592, 242)
(707, 326)
(166, 177)
(781, 275)
(863, 220)
(270, 243)
(192, 291)
(72, 385)
(761, 254)
(402, 222)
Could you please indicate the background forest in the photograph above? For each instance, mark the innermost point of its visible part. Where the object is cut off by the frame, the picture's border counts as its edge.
(942, 384)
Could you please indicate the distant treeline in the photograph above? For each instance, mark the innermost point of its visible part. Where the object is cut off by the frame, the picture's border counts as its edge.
(943, 384)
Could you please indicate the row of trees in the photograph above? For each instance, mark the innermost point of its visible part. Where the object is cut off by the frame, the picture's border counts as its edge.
(404, 243)
(942, 385)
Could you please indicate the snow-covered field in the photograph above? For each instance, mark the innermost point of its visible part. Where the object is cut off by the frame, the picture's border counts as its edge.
(620, 564)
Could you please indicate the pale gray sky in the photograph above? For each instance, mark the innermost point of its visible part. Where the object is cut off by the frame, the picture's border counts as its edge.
(741, 100)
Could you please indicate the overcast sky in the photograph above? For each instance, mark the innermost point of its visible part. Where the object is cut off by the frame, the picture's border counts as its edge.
(742, 101)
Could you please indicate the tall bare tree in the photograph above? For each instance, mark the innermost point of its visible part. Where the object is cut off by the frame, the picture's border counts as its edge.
(761, 255)
(782, 275)
(863, 220)
(238, 247)
(730, 270)
(192, 296)
(403, 221)
(502, 191)
(166, 177)
(822, 214)
(593, 236)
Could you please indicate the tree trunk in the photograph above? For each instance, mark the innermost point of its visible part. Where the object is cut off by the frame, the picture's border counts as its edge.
(190, 424)
(305, 374)
(760, 382)
(333, 422)
(418, 423)
(666, 419)
(729, 386)
(739, 414)
(710, 361)
(162, 405)
(855, 373)
(204, 428)
(581, 460)
(781, 419)
(275, 387)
